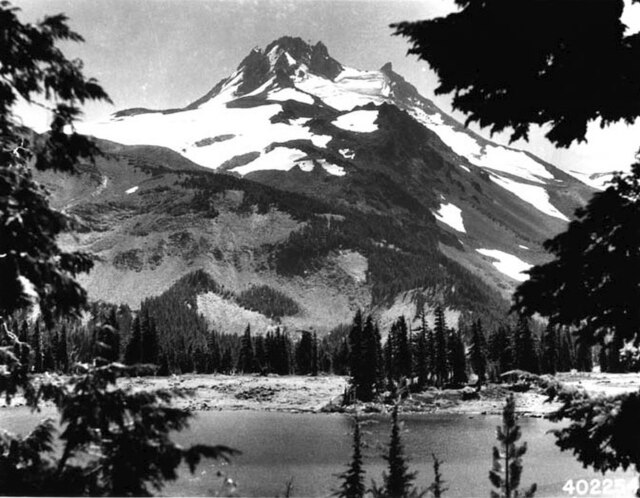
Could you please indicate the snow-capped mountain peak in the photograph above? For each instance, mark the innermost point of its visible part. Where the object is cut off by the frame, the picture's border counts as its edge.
(290, 103)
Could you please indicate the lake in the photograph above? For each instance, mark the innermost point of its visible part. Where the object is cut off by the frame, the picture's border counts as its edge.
(309, 449)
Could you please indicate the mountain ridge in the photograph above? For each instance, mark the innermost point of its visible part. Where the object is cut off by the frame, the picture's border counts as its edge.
(336, 187)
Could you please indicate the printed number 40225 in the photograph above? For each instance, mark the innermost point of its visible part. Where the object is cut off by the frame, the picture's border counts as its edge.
(596, 487)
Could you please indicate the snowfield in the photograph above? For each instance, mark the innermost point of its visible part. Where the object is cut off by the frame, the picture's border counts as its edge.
(290, 94)
(508, 264)
(280, 158)
(451, 215)
(532, 194)
(180, 131)
(351, 88)
(132, 190)
(359, 121)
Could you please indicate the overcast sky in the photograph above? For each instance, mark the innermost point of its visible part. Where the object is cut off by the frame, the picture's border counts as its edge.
(167, 53)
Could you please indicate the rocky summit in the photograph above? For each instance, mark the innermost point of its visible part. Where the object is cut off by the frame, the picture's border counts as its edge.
(306, 189)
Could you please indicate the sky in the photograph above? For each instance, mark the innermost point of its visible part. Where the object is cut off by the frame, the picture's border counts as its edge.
(167, 53)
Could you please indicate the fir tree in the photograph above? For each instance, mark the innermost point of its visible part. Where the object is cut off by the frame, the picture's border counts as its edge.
(422, 356)
(246, 359)
(397, 481)
(584, 360)
(477, 351)
(314, 356)
(36, 346)
(133, 351)
(260, 353)
(549, 356)
(215, 357)
(566, 356)
(437, 487)
(457, 358)
(149, 339)
(353, 478)
(62, 355)
(524, 347)
(501, 349)
(507, 458)
(440, 369)
(304, 353)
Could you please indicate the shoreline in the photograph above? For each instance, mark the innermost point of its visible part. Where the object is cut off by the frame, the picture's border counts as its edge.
(323, 394)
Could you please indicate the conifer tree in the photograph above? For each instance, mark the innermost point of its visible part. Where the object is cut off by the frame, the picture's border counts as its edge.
(215, 357)
(524, 346)
(566, 356)
(355, 348)
(304, 353)
(36, 346)
(226, 363)
(457, 358)
(501, 349)
(353, 478)
(506, 471)
(245, 359)
(549, 356)
(440, 370)
(62, 354)
(133, 351)
(477, 351)
(314, 356)
(149, 339)
(397, 480)
(437, 487)
(584, 361)
(422, 356)
(260, 353)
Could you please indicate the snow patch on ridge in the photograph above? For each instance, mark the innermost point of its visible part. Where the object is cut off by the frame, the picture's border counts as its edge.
(351, 88)
(132, 190)
(252, 129)
(451, 215)
(290, 94)
(532, 194)
(492, 157)
(508, 264)
(280, 158)
(361, 121)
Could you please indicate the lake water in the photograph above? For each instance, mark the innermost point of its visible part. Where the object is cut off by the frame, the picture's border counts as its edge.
(310, 449)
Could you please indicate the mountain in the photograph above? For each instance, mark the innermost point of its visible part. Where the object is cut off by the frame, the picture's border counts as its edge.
(298, 178)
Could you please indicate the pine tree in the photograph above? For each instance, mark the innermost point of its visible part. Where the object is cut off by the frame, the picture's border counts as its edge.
(215, 357)
(457, 358)
(353, 478)
(149, 338)
(314, 356)
(36, 346)
(369, 371)
(501, 349)
(549, 356)
(245, 359)
(304, 353)
(398, 481)
(566, 356)
(584, 360)
(355, 349)
(437, 487)
(440, 370)
(524, 346)
(62, 355)
(133, 351)
(422, 356)
(477, 351)
(260, 353)
(507, 459)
